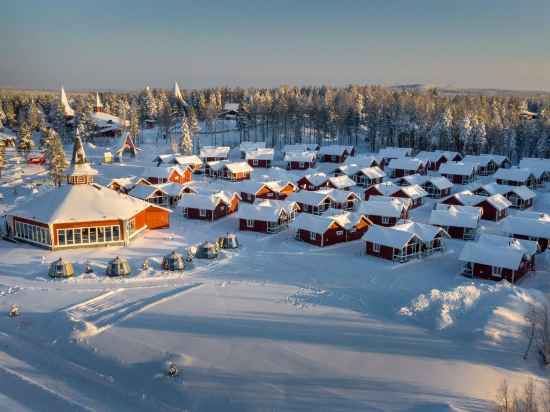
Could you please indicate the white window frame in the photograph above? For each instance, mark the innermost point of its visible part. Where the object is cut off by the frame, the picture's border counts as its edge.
(385, 219)
(249, 223)
(497, 271)
(202, 212)
(255, 162)
(376, 247)
(83, 235)
(301, 165)
(339, 232)
(312, 236)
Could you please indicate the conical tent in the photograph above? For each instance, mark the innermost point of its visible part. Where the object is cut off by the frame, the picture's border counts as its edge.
(118, 267)
(229, 241)
(61, 269)
(173, 262)
(208, 250)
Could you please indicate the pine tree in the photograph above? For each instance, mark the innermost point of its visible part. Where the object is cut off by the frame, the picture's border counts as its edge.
(24, 142)
(55, 157)
(58, 120)
(34, 117)
(186, 142)
(2, 156)
(3, 118)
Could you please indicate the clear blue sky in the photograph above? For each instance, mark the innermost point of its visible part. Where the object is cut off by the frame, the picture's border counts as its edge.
(128, 44)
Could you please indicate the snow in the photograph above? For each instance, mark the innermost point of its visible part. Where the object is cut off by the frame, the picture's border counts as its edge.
(341, 182)
(334, 150)
(394, 152)
(406, 164)
(518, 225)
(214, 151)
(205, 201)
(458, 168)
(80, 203)
(260, 154)
(388, 236)
(454, 217)
(297, 156)
(375, 207)
(489, 250)
(263, 212)
(274, 325)
(513, 174)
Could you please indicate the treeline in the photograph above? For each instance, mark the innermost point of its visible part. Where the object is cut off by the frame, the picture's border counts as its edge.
(363, 115)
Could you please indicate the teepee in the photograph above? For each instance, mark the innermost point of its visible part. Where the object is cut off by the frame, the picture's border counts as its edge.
(67, 109)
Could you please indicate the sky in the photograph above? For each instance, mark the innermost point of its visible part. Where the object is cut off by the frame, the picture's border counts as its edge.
(129, 44)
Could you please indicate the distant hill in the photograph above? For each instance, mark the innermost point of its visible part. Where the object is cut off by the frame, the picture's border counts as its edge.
(451, 90)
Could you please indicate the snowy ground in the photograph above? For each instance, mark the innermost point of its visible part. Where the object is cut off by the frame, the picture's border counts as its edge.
(275, 325)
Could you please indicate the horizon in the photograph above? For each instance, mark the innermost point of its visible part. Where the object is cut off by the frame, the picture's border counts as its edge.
(127, 45)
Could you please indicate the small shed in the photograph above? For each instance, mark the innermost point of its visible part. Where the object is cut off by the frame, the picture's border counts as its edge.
(118, 267)
(173, 262)
(61, 268)
(207, 250)
(229, 241)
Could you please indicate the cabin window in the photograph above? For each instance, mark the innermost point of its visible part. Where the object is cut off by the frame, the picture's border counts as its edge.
(353, 230)
(376, 248)
(339, 232)
(255, 162)
(33, 233)
(249, 223)
(497, 272)
(385, 220)
(312, 236)
(202, 212)
(301, 164)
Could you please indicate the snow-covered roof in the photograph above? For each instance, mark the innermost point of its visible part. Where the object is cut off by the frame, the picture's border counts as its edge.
(386, 188)
(395, 152)
(239, 167)
(529, 247)
(309, 198)
(498, 201)
(299, 156)
(381, 208)
(250, 146)
(80, 203)
(406, 163)
(472, 210)
(174, 189)
(405, 202)
(424, 232)
(447, 154)
(288, 205)
(340, 196)
(313, 223)
(530, 214)
(335, 150)
(300, 147)
(488, 253)
(67, 109)
(125, 182)
(159, 172)
(206, 201)
(414, 191)
(103, 120)
(414, 179)
(517, 225)
(234, 107)
(535, 162)
(248, 186)
(388, 236)
(373, 172)
(513, 174)
(184, 160)
(279, 185)
(481, 160)
(341, 182)
(262, 211)
(214, 151)
(430, 156)
(455, 217)
(260, 154)
(144, 191)
(440, 182)
(467, 198)
(317, 179)
(493, 188)
(458, 168)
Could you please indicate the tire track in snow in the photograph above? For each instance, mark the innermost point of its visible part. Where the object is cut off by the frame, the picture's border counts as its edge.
(101, 313)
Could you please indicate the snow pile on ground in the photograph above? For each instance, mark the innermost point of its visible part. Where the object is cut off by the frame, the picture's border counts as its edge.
(443, 307)
(494, 311)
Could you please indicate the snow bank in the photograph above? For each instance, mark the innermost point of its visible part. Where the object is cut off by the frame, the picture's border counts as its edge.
(494, 311)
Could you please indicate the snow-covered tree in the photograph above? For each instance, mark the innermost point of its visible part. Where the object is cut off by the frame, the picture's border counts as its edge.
(2, 156)
(510, 139)
(149, 104)
(3, 118)
(542, 147)
(24, 141)
(55, 157)
(186, 142)
(465, 134)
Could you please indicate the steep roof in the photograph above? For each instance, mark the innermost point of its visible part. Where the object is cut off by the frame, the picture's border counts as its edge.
(498, 201)
(414, 191)
(467, 198)
(487, 253)
(238, 167)
(340, 196)
(67, 109)
(430, 156)
(316, 179)
(386, 188)
(144, 191)
(81, 203)
(424, 232)
(160, 172)
(493, 188)
(79, 162)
